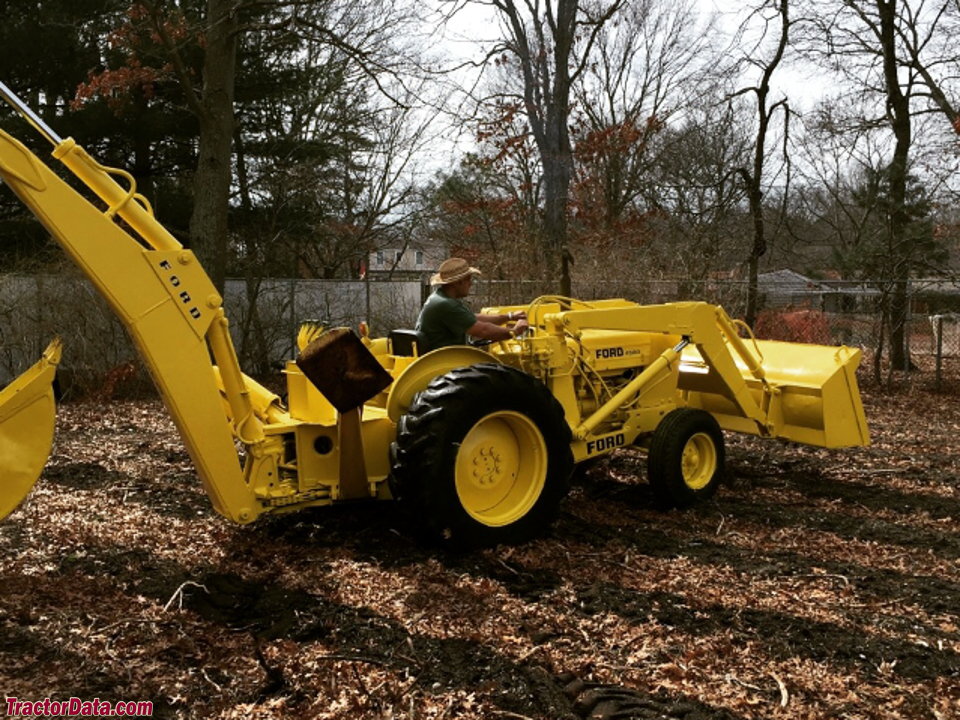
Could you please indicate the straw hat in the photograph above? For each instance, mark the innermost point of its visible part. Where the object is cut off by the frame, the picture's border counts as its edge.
(452, 270)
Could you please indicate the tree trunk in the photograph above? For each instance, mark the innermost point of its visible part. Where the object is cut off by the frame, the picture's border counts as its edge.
(556, 186)
(754, 179)
(553, 140)
(143, 156)
(881, 339)
(898, 110)
(544, 46)
(899, 312)
(759, 247)
(208, 223)
(753, 293)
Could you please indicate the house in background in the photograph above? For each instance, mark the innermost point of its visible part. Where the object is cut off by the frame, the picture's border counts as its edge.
(787, 288)
(413, 262)
(933, 296)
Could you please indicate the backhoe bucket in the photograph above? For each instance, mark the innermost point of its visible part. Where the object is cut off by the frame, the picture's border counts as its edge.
(815, 397)
(27, 415)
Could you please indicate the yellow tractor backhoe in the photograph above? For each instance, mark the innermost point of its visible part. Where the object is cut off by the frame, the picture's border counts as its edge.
(480, 443)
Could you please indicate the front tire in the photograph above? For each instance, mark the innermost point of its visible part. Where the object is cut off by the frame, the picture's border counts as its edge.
(483, 457)
(686, 458)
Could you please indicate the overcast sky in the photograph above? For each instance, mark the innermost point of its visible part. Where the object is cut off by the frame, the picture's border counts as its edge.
(476, 23)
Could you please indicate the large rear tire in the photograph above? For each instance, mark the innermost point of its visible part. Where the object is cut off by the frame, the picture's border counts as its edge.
(686, 458)
(482, 457)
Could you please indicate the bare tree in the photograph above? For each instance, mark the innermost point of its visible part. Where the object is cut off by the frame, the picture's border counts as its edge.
(869, 42)
(693, 190)
(213, 107)
(774, 13)
(928, 33)
(214, 110)
(834, 151)
(551, 40)
(647, 69)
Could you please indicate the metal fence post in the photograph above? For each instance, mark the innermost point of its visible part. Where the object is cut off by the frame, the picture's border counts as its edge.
(366, 295)
(907, 322)
(294, 328)
(939, 330)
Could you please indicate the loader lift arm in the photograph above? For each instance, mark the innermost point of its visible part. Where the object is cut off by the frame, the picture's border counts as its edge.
(706, 326)
(804, 393)
(166, 301)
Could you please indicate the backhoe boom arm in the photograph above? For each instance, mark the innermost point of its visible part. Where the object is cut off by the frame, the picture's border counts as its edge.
(161, 294)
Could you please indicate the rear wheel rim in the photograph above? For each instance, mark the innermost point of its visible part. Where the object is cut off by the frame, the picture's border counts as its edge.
(501, 468)
(698, 461)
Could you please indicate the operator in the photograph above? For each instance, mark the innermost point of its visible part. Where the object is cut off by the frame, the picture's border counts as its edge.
(445, 318)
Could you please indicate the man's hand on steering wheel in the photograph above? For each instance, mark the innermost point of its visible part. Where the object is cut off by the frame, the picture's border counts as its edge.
(520, 326)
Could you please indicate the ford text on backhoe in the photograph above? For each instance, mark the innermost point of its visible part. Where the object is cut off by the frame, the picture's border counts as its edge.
(479, 443)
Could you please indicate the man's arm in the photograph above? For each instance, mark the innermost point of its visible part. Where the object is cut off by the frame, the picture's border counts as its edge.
(503, 318)
(486, 330)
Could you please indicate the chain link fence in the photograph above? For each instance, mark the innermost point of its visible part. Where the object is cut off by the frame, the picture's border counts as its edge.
(793, 309)
(265, 316)
(264, 320)
(945, 345)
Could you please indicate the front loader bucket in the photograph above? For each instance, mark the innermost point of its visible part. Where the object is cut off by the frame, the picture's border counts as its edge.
(819, 401)
(815, 400)
(27, 415)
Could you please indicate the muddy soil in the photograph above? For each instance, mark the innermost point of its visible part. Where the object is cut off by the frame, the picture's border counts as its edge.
(817, 584)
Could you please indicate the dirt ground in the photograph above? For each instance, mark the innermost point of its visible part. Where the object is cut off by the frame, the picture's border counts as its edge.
(816, 585)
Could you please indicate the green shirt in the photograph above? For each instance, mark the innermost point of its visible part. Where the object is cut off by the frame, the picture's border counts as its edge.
(443, 321)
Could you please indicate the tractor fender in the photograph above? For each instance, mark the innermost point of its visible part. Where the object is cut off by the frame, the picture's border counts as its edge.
(419, 373)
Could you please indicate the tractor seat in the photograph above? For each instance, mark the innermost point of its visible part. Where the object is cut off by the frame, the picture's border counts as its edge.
(403, 342)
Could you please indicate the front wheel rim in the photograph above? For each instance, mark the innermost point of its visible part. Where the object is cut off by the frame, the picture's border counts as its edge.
(501, 468)
(698, 462)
